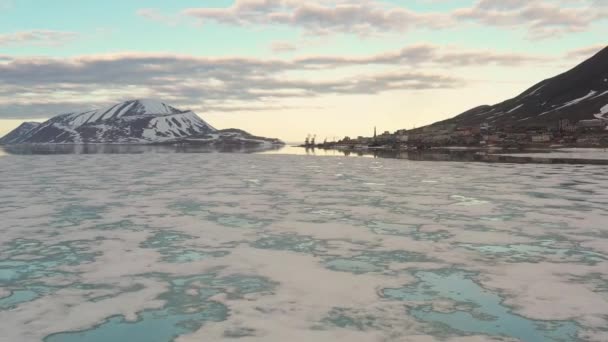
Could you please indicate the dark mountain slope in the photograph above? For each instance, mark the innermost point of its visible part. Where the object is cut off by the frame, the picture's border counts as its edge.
(19, 133)
(578, 94)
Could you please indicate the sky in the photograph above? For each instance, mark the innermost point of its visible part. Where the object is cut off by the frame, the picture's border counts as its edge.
(288, 68)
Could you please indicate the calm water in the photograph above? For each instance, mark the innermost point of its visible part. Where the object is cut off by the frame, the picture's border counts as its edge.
(140, 246)
(573, 156)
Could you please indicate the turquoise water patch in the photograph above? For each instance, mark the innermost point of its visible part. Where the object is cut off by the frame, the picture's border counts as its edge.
(165, 239)
(92, 297)
(74, 215)
(291, 242)
(385, 228)
(188, 306)
(346, 318)
(537, 252)
(168, 244)
(239, 221)
(151, 326)
(431, 236)
(486, 315)
(324, 215)
(479, 228)
(411, 230)
(500, 218)
(28, 262)
(188, 207)
(373, 261)
(325, 212)
(352, 266)
(364, 262)
(127, 225)
(186, 256)
(36, 290)
(29, 259)
(234, 286)
(17, 297)
(19, 245)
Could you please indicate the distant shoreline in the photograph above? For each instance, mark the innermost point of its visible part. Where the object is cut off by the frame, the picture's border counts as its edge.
(488, 154)
(524, 148)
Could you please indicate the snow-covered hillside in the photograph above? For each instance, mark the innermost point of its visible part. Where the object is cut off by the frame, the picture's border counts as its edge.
(126, 109)
(135, 121)
(578, 94)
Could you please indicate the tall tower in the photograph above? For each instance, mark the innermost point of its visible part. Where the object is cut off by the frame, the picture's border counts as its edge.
(375, 135)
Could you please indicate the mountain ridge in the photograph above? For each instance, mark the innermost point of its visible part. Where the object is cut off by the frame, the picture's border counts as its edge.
(580, 93)
(130, 122)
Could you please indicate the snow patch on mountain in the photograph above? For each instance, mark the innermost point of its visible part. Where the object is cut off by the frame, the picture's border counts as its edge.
(120, 110)
(516, 108)
(590, 95)
(603, 114)
(175, 126)
(580, 99)
(536, 90)
(600, 95)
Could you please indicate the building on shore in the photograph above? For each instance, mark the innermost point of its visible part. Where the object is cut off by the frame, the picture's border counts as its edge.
(542, 137)
(566, 126)
(402, 136)
(586, 132)
(594, 125)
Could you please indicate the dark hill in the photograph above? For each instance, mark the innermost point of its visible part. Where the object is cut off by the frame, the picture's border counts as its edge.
(578, 94)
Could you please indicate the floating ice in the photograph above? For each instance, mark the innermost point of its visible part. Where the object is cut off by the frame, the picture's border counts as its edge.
(192, 247)
(486, 314)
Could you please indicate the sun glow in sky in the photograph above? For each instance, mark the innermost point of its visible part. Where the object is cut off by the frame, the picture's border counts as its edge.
(287, 68)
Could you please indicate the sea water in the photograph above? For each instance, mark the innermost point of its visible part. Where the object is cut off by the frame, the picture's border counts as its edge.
(202, 247)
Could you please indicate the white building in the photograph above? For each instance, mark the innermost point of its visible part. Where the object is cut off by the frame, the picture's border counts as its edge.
(541, 138)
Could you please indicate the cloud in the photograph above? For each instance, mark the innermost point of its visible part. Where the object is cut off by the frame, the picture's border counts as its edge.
(37, 37)
(36, 85)
(541, 19)
(320, 17)
(585, 52)
(427, 54)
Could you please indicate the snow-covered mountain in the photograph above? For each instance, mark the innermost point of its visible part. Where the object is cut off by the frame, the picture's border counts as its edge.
(578, 94)
(19, 133)
(135, 121)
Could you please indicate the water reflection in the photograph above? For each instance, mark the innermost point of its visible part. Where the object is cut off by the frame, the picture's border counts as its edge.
(484, 156)
(479, 155)
(295, 150)
(124, 149)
